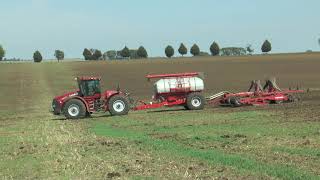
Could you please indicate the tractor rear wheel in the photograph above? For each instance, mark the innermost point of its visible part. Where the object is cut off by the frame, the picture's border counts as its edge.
(292, 98)
(195, 101)
(118, 105)
(74, 109)
(276, 102)
(235, 102)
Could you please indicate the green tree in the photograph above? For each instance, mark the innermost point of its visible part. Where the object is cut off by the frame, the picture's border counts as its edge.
(169, 51)
(119, 56)
(96, 54)
(2, 53)
(266, 47)
(214, 49)
(195, 50)
(87, 54)
(233, 51)
(133, 54)
(111, 54)
(59, 55)
(125, 52)
(142, 52)
(183, 49)
(249, 49)
(37, 57)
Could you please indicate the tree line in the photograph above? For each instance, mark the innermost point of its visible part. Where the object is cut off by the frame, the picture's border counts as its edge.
(141, 52)
(126, 53)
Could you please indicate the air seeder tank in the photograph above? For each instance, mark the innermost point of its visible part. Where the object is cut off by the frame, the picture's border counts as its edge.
(178, 84)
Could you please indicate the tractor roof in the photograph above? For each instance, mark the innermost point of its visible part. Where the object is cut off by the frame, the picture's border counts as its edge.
(88, 78)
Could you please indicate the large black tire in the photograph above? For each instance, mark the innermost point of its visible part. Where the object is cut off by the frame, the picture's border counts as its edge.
(74, 109)
(195, 101)
(234, 101)
(118, 105)
(276, 102)
(292, 98)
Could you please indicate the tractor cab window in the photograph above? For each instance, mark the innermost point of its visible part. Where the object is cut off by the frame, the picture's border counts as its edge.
(89, 88)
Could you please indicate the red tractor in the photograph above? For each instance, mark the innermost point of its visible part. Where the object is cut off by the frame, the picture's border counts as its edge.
(89, 98)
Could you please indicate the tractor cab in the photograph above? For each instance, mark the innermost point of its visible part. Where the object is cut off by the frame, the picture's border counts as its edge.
(89, 86)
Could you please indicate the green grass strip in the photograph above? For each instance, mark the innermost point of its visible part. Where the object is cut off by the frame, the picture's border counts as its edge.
(297, 151)
(240, 162)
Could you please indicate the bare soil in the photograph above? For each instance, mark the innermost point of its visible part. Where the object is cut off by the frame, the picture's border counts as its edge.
(221, 73)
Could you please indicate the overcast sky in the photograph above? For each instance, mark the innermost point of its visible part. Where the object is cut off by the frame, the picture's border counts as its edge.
(72, 25)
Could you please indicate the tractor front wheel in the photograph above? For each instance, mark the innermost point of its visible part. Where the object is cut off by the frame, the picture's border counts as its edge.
(74, 109)
(195, 101)
(118, 105)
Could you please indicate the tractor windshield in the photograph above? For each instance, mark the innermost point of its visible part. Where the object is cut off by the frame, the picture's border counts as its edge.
(89, 87)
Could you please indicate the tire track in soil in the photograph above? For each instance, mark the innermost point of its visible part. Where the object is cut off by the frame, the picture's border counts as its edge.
(27, 91)
(21, 91)
(50, 75)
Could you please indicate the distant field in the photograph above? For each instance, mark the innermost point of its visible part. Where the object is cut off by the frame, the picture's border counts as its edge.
(274, 142)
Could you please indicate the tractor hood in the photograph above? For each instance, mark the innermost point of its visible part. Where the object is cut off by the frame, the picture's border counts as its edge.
(67, 95)
(58, 101)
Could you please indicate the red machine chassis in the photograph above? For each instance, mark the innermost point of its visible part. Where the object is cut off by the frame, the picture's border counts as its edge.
(253, 98)
(164, 99)
(176, 96)
(271, 93)
(256, 95)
